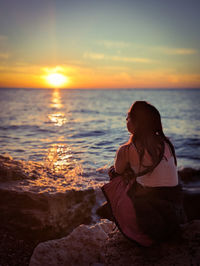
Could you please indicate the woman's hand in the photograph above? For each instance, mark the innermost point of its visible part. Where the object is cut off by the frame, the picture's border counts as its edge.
(128, 174)
(112, 173)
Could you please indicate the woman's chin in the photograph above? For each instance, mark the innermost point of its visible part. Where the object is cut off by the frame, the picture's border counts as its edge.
(130, 130)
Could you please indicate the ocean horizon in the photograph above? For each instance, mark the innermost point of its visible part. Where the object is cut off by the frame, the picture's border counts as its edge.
(68, 88)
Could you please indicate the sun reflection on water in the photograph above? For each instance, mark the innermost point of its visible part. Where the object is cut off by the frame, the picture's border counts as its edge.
(59, 158)
(61, 170)
(56, 99)
(58, 118)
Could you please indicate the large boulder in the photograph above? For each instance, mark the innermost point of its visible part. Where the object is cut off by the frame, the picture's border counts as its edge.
(82, 247)
(99, 245)
(44, 216)
(37, 204)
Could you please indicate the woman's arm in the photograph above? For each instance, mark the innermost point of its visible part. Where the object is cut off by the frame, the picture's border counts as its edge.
(121, 159)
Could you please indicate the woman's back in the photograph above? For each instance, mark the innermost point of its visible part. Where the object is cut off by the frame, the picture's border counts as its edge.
(164, 174)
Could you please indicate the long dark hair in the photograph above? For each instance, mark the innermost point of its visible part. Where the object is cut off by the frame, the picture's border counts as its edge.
(148, 134)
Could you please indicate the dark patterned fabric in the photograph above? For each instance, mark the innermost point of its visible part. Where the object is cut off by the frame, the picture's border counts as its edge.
(159, 210)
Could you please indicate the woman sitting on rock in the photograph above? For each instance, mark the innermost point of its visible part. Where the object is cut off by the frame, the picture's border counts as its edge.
(144, 197)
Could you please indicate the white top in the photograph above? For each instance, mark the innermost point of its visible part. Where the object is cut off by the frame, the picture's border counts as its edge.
(165, 174)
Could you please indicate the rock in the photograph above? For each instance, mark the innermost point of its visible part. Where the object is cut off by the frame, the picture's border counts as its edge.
(188, 175)
(181, 251)
(44, 216)
(37, 204)
(44, 208)
(190, 178)
(82, 247)
(14, 251)
(190, 181)
(98, 245)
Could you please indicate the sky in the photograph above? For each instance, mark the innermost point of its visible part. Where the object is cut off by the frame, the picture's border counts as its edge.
(100, 44)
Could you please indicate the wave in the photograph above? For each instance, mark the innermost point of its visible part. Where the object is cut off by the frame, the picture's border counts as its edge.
(89, 134)
(186, 175)
(104, 143)
(86, 111)
(26, 129)
(194, 142)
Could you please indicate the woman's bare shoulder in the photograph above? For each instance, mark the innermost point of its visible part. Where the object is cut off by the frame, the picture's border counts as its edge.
(124, 147)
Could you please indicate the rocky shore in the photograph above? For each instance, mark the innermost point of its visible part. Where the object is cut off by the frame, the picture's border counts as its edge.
(99, 245)
(37, 205)
(52, 215)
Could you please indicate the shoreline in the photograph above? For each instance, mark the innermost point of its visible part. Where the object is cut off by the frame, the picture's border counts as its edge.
(79, 206)
(24, 175)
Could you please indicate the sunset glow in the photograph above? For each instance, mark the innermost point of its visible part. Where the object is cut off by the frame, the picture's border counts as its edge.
(57, 80)
(100, 44)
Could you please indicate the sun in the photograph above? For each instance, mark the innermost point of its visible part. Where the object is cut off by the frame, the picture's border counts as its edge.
(57, 80)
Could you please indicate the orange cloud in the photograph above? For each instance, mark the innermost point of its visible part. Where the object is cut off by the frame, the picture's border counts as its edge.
(4, 55)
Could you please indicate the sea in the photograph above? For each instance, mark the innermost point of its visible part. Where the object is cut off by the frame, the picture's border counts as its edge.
(64, 129)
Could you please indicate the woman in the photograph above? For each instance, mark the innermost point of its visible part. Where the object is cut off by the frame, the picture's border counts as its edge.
(144, 197)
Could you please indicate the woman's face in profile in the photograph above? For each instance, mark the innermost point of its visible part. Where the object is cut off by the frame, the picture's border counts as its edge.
(129, 124)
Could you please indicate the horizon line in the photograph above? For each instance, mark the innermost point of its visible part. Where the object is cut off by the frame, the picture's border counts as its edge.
(144, 88)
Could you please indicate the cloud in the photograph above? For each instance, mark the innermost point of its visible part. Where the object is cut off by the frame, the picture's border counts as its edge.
(113, 68)
(130, 59)
(96, 56)
(50, 70)
(4, 55)
(112, 44)
(178, 51)
(184, 78)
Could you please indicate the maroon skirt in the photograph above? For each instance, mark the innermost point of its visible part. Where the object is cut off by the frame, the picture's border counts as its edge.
(123, 210)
